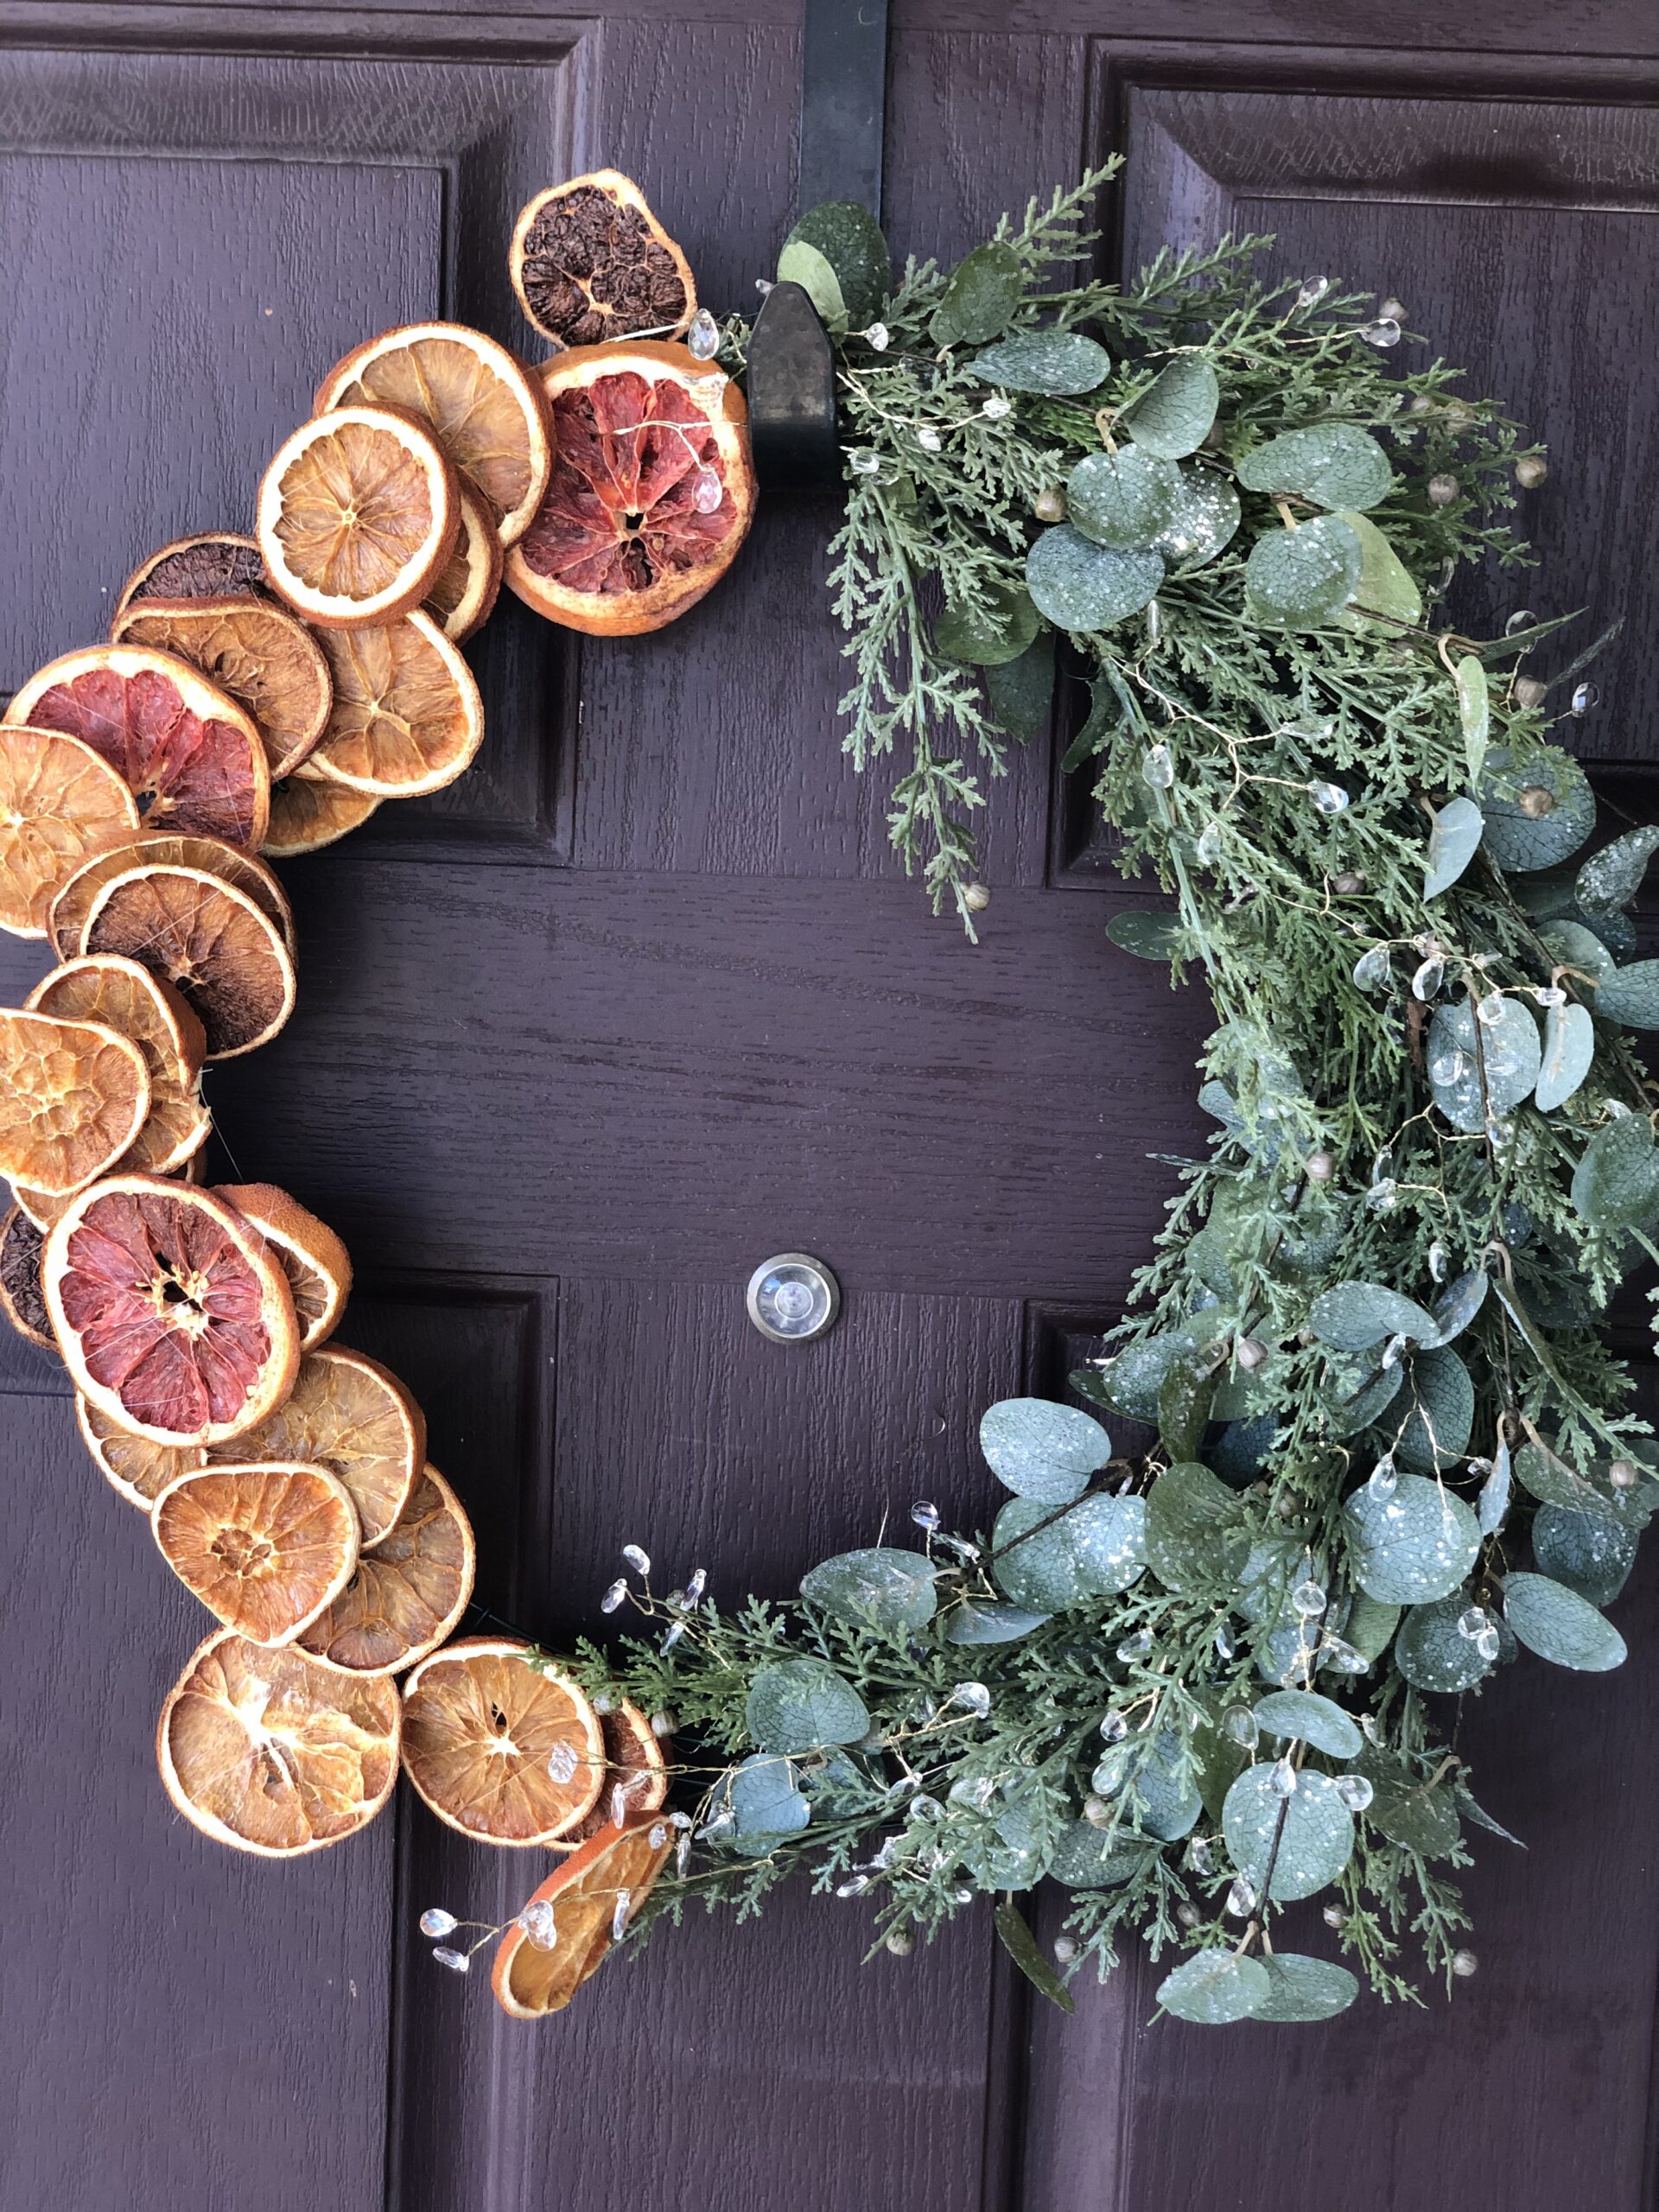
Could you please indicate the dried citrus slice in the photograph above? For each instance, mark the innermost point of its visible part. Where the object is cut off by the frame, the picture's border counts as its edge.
(316, 1261)
(100, 987)
(256, 653)
(636, 1774)
(589, 1901)
(407, 717)
(409, 1592)
(158, 848)
(74, 1095)
(172, 1317)
(651, 492)
(190, 754)
(479, 1726)
(478, 401)
(590, 261)
(461, 600)
(308, 813)
(348, 1414)
(262, 1748)
(59, 800)
(136, 1465)
(21, 1299)
(267, 1549)
(215, 565)
(358, 515)
(225, 955)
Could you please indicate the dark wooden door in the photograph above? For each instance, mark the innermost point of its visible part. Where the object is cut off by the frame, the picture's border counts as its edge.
(644, 999)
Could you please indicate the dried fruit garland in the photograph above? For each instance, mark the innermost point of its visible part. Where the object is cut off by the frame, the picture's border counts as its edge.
(1194, 1684)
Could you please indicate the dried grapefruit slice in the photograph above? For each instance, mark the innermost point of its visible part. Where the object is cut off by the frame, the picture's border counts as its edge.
(190, 754)
(21, 1299)
(407, 716)
(215, 565)
(74, 1095)
(590, 261)
(409, 1593)
(136, 1467)
(592, 1898)
(99, 986)
(158, 848)
(266, 1548)
(172, 1317)
(636, 1775)
(463, 597)
(479, 1726)
(358, 515)
(59, 800)
(477, 401)
(348, 1414)
(316, 1261)
(225, 956)
(256, 653)
(263, 1749)
(651, 492)
(308, 813)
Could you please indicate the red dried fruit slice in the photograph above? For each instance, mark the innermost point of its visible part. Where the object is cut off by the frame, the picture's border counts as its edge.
(591, 262)
(137, 1468)
(20, 1296)
(172, 1317)
(215, 564)
(159, 849)
(225, 956)
(316, 1261)
(74, 1095)
(124, 997)
(598, 1890)
(635, 1767)
(479, 1726)
(651, 492)
(256, 652)
(410, 1590)
(308, 813)
(266, 1548)
(58, 801)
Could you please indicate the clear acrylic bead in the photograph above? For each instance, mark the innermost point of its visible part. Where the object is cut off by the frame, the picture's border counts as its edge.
(1239, 1724)
(1371, 967)
(1583, 698)
(929, 438)
(601, 1704)
(1312, 292)
(1428, 978)
(541, 1930)
(963, 1894)
(1283, 1778)
(1199, 1856)
(1384, 1477)
(1209, 846)
(855, 1886)
(1550, 995)
(1226, 1648)
(682, 1852)
(1472, 1622)
(1241, 1898)
(658, 1836)
(561, 1763)
(1330, 798)
(974, 1697)
(996, 407)
(1333, 1916)
(703, 337)
(1355, 1791)
(1393, 1350)
(435, 1920)
(1489, 1644)
(619, 1803)
(1308, 1598)
(672, 1637)
(1382, 333)
(1114, 1728)
(613, 1596)
(1522, 619)
(1437, 1261)
(1463, 1963)
(697, 1585)
(638, 1560)
(1490, 1010)
(924, 1808)
(925, 1515)
(876, 338)
(1135, 1647)
(707, 491)
(1336, 1652)
(864, 463)
(1157, 769)
(457, 1961)
(620, 1913)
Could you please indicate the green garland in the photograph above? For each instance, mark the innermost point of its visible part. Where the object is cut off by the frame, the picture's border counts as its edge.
(1203, 1682)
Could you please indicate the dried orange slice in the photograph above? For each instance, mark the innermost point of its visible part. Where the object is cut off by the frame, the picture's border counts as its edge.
(588, 1903)
(308, 813)
(74, 1095)
(266, 1548)
(316, 1261)
(636, 1775)
(156, 849)
(590, 261)
(651, 492)
(407, 717)
(215, 565)
(256, 653)
(478, 401)
(263, 1749)
(136, 1467)
(21, 1299)
(124, 997)
(348, 1414)
(463, 597)
(225, 956)
(409, 1593)
(358, 515)
(190, 754)
(172, 1317)
(59, 800)
(479, 1726)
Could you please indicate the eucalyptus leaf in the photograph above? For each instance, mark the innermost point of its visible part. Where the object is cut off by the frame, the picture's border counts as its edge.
(999, 630)
(1457, 1306)
(1492, 1506)
(1586, 1551)
(984, 290)
(1105, 715)
(1440, 1412)
(1172, 417)
(1559, 1625)
(803, 1705)
(988, 1623)
(1304, 1715)
(1616, 1182)
(1354, 1316)
(1474, 714)
(1613, 876)
(1417, 1545)
(1305, 1988)
(1215, 1987)
(1298, 579)
(764, 1801)
(1130, 1385)
(1086, 587)
(1406, 1811)
(1087, 1858)
(1385, 594)
(1370, 1627)
(1569, 1049)
(1020, 691)
(801, 262)
(1478, 1069)
(1631, 995)
(1123, 499)
(881, 1587)
(1549, 1479)
(1204, 521)
(1055, 364)
(1021, 1947)
(1335, 465)
(1149, 937)
(1041, 1450)
(1166, 1785)
(1183, 1406)
(1240, 1452)
(1314, 1831)
(1195, 1532)
(1048, 1558)
(1365, 1393)
(1570, 945)
(1453, 843)
(850, 239)
(1519, 841)
(1432, 1651)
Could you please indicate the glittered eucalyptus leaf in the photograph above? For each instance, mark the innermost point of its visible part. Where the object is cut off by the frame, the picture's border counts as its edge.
(1363, 1393)
(1492, 1506)
(1616, 929)
(1478, 1069)
(1021, 1947)
(1195, 1530)
(1149, 937)
(1538, 811)
(1123, 499)
(1087, 1858)
(1353, 1315)
(1572, 946)
(1206, 519)
(1041, 1450)
(1406, 1808)
(802, 263)
(802, 1705)
(983, 1623)
(1386, 596)
(982, 293)
(1411, 1547)
(1214, 1987)
(1020, 691)
(1549, 1479)
(1131, 1383)
(850, 239)
(764, 1801)
(1631, 995)
(1166, 1789)
(1335, 465)
(1457, 1306)
(1240, 1452)
(1312, 1829)
(1370, 1626)
(1184, 1403)
(1438, 1412)
(1559, 1625)
(1304, 1715)
(1083, 587)
(1613, 876)
(1453, 843)
(1569, 1049)
(1432, 1652)
(1298, 579)
(1616, 1182)
(1588, 1553)
(1055, 364)
(1104, 717)
(1172, 417)
(997, 630)
(1273, 1566)
(1475, 714)
(881, 1587)
(1303, 1988)
(1049, 1558)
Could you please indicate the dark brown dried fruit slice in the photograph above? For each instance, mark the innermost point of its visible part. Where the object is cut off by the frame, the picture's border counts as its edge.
(410, 1590)
(20, 1296)
(58, 801)
(256, 653)
(462, 598)
(308, 812)
(225, 955)
(125, 997)
(636, 1775)
(590, 261)
(136, 1465)
(348, 1414)
(158, 848)
(216, 565)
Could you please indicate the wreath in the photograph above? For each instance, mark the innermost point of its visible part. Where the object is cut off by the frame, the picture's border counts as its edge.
(1376, 1445)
